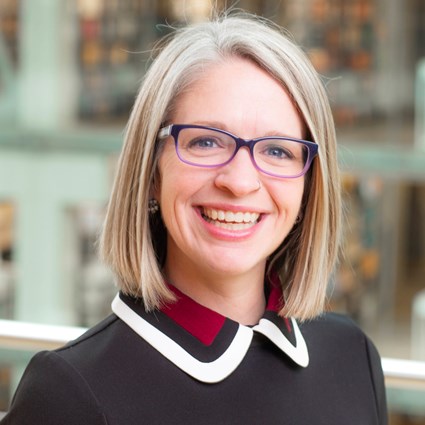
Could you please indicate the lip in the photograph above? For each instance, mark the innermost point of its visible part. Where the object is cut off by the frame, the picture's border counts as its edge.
(231, 207)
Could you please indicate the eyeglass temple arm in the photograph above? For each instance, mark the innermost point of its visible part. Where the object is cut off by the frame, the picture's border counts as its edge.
(165, 132)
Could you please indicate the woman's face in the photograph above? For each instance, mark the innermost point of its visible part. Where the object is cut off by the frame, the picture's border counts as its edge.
(239, 97)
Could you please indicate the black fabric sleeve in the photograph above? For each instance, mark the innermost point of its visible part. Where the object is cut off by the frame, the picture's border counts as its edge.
(378, 382)
(52, 392)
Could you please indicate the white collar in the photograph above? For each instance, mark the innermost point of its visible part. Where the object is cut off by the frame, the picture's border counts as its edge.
(203, 343)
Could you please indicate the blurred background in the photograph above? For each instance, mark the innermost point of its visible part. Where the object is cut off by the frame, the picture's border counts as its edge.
(69, 73)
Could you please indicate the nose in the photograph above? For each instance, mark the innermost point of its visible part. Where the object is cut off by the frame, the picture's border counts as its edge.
(239, 176)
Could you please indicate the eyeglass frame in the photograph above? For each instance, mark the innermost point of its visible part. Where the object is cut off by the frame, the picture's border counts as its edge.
(174, 130)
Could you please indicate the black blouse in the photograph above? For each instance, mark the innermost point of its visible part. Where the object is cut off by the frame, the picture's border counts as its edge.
(186, 364)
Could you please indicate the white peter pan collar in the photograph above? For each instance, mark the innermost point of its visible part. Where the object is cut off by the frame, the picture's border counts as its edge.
(203, 343)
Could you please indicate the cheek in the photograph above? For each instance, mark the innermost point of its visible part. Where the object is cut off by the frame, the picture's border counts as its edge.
(289, 197)
(176, 187)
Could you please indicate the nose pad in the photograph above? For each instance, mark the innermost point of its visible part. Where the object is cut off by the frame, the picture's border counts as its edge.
(239, 176)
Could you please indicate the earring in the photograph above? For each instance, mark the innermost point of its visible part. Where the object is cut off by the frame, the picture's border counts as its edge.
(299, 218)
(153, 206)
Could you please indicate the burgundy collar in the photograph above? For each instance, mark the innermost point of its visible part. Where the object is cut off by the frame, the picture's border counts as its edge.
(205, 324)
(202, 342)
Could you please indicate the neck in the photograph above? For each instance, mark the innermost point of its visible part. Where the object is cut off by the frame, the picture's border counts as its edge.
(240, 298)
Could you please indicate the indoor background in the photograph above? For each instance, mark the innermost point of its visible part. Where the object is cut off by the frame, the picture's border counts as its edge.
(69, 73)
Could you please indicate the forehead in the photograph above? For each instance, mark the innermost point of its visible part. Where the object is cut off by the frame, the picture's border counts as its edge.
(243, 97)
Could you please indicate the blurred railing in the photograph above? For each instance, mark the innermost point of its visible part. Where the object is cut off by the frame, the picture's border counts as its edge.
(33, 337)
(407, 374)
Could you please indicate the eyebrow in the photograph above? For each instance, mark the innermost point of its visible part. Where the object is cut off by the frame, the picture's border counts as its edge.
(222, 126)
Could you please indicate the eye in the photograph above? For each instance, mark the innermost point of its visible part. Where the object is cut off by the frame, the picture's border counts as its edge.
(204, 142)
(277, 152)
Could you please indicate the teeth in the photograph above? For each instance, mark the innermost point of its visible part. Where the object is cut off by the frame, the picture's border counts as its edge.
(239, 217)
(231, 220)
(229, 217)
(232, 226)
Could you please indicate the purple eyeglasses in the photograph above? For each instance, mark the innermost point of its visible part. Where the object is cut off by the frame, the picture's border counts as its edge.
(211, 147)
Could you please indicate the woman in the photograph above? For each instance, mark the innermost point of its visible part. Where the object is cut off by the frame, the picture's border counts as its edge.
(222, 230)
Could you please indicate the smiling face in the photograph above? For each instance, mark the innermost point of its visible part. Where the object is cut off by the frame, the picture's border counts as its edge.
(221, 225)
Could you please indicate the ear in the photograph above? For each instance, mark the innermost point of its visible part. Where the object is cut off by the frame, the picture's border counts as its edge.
(155, 189)
(155, 186)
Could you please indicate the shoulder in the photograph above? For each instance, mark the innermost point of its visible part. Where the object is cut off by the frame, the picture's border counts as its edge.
(101, 331)
(52, 392)
(334, 321)
(53, 388)
(332, 328)
(337, 336)
(336, 344)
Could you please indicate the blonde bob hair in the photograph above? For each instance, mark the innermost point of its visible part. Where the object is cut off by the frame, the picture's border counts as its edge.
(133, 243)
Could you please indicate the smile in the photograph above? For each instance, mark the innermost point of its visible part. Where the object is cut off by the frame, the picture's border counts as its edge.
(230, 220)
